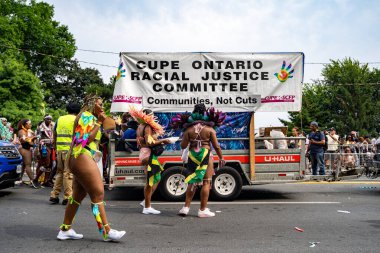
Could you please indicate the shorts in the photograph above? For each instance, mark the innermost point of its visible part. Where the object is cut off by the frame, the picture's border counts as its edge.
(144, 154)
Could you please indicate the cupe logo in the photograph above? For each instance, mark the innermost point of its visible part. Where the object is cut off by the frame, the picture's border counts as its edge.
(284, 73)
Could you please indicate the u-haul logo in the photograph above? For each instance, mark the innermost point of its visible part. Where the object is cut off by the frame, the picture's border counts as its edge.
(278, 159)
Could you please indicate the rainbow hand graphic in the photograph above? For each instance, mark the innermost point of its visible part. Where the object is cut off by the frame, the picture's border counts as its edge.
(120, 72)
(284, 73)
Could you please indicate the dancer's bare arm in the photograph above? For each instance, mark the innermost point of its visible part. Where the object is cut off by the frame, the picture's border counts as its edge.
(148, 135)
(185, 140)
(215, 144)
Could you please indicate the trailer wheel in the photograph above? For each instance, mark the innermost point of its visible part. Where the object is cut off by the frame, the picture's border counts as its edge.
(226, 184)
(172, 186)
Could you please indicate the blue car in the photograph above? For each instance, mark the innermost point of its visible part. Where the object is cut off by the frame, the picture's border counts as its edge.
(10, 164)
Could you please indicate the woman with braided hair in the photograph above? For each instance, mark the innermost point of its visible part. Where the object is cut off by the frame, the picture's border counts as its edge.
(81, 160)
(27, 139)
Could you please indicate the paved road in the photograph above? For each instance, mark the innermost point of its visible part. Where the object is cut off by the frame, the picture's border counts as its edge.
(262, 220)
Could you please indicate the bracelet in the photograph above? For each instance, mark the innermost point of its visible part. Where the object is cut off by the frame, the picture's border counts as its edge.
(98, 124)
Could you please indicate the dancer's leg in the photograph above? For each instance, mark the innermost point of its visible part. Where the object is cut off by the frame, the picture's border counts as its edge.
(190, 192)
(148, 192)
(72, 206)
(27, 159)
(205, 191)
(87, 174)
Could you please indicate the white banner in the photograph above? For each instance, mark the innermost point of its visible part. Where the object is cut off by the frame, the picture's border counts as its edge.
(231, 82)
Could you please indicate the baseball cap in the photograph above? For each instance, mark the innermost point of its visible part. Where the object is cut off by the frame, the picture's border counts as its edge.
(314, 123)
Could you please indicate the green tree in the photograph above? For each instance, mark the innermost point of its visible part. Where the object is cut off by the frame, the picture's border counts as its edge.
(105, 91)
(20, 93)
(354, 103)
(347, 99)
(71, 85)
(29, 34)
(29, 25)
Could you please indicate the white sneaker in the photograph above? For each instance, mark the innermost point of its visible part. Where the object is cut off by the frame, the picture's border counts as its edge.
(69, 234)
(142, 203)
(184, 211)
(114, 235)
(205, 213)
(150, 210)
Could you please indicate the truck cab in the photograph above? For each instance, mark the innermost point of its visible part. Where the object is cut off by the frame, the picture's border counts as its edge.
(10, 164)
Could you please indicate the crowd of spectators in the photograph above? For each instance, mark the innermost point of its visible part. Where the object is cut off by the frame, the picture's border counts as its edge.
(324, 148)
(327, 149)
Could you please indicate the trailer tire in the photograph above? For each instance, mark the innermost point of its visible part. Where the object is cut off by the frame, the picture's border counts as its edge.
(168, 188)
(226, 184)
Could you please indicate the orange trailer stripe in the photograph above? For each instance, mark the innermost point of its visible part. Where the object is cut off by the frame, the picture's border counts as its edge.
(280, 158)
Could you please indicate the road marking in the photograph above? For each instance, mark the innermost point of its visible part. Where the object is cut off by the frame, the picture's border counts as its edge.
(338, 182)
(254, 203)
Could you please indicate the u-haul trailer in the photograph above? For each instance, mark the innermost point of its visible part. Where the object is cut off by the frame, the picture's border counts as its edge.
(231, 82)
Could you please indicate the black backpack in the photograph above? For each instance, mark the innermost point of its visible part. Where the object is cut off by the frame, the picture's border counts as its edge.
(326, 142)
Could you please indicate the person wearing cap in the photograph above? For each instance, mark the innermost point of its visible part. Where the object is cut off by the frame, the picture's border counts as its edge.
(332, 147)
(333, 141)
(63, 132)
(45, 146)
(315, 149)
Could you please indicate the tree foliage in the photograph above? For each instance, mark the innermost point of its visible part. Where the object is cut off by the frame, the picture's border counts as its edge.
(20, 92)
(71, 85)
(347, 99)
(105, 91)
(29, 25)
(44, 48)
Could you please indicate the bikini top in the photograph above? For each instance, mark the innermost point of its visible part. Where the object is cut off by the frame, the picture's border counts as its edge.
(198, 129)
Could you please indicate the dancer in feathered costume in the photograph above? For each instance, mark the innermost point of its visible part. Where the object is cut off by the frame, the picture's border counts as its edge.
(148, 143)
(199, 135)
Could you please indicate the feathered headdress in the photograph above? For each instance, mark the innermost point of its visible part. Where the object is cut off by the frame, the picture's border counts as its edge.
(180, 119)
(142, 118)
(210, 117)
(216, 116)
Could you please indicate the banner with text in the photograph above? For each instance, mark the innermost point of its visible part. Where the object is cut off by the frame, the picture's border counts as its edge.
(231, 82)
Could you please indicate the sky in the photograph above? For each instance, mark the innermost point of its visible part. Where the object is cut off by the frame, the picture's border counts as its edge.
(322, 30)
